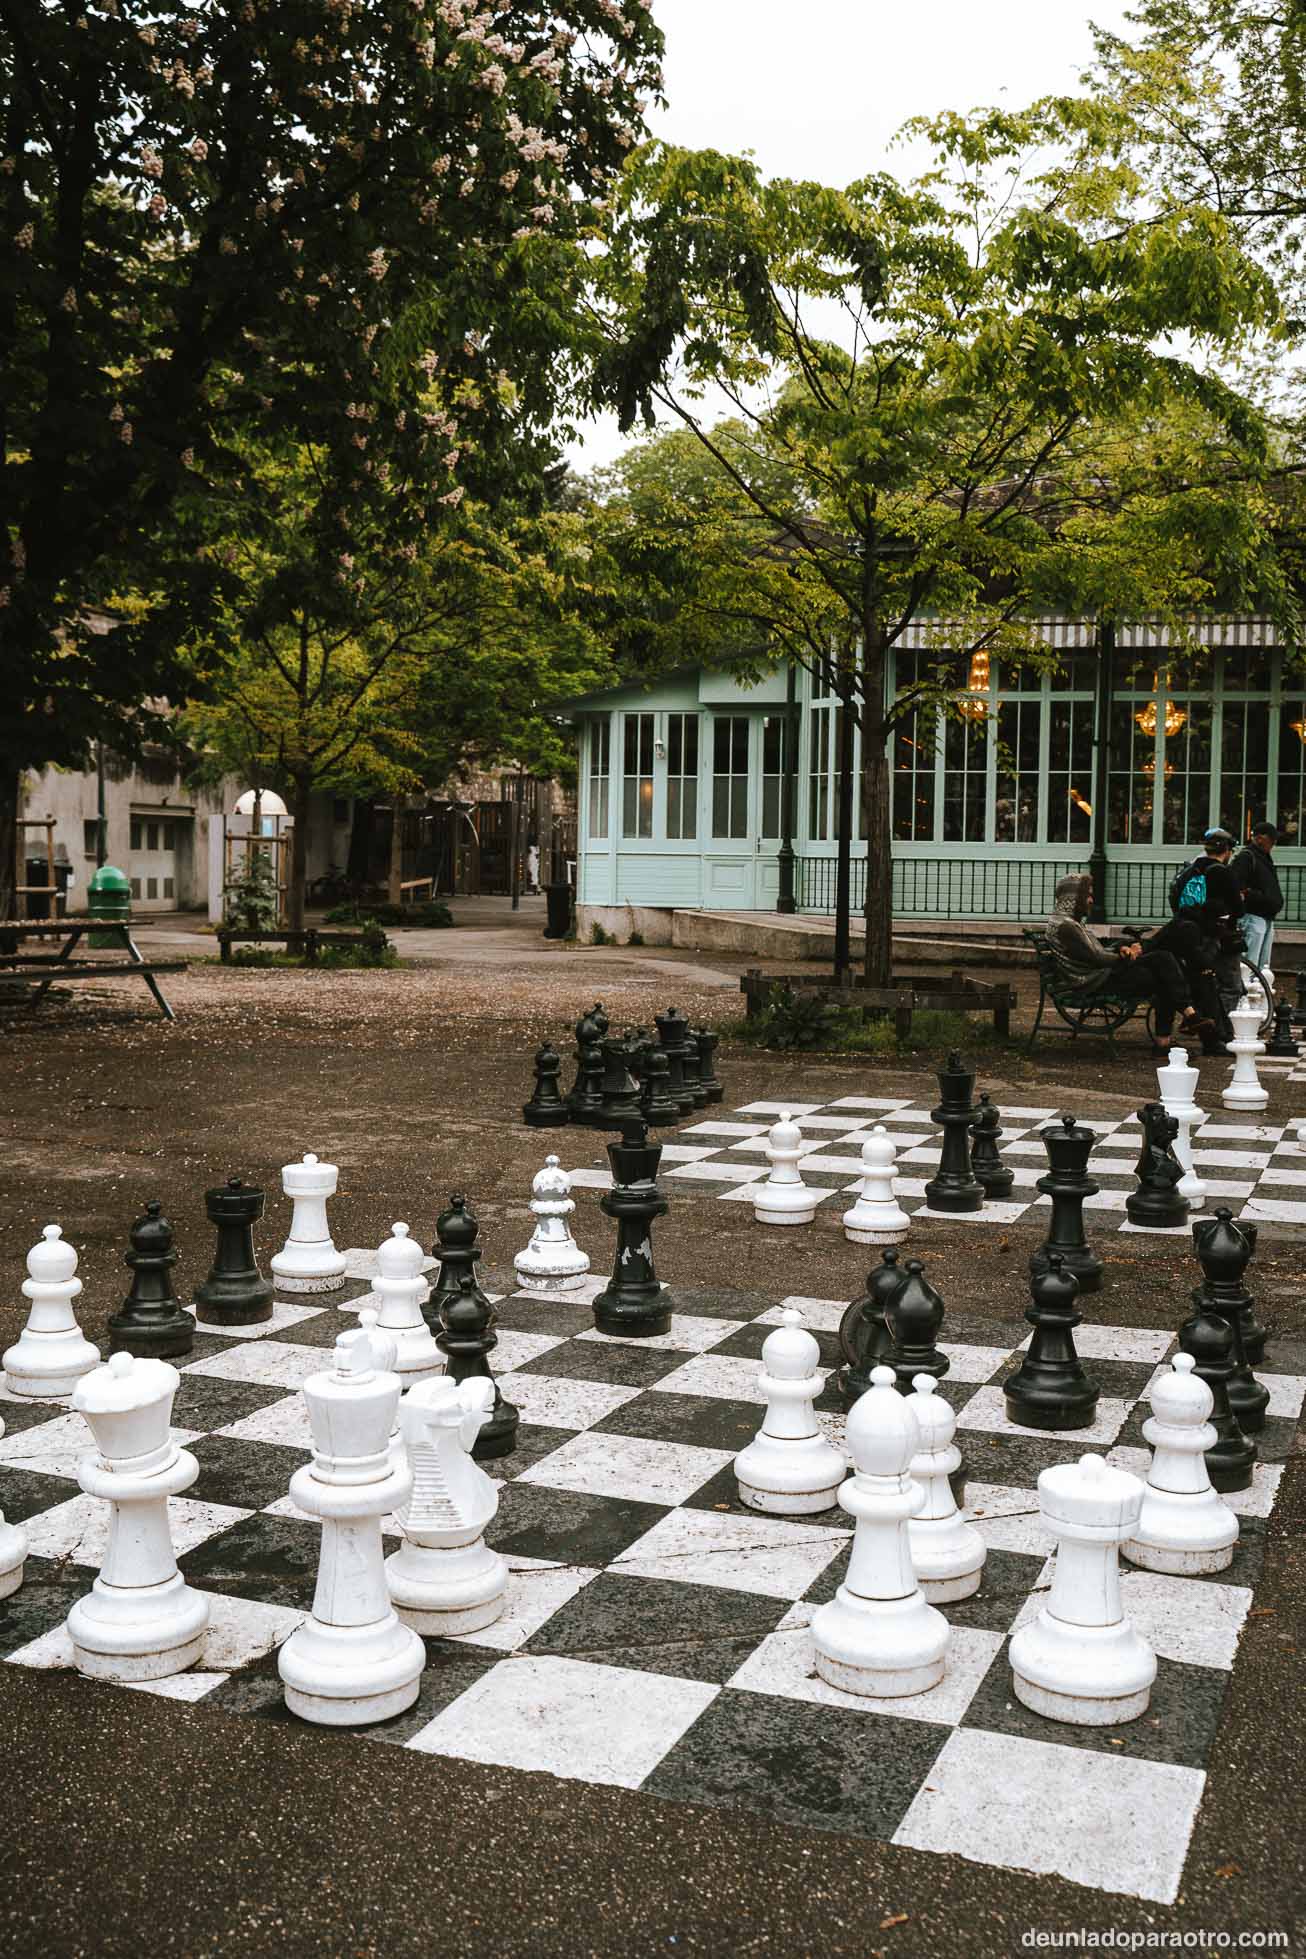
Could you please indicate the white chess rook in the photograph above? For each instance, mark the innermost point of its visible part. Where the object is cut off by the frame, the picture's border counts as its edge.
(1176, 1083)
(13, 1552)
(789, 1468)
(308, 1261)
(876, 1217)
(878, 1636)
(1243, 1090)
(352, 1661)
(782, 1197)
(140, 1620)
(1184, 1527)
(51, 1354)
(947, 1553)
(444, 1578)
(552, 1261)
(401, 1289)
(1081, 1661)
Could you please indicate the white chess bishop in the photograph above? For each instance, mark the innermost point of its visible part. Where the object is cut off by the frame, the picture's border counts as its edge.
(352, 1661)
(13, 1552)
(308, 1261)
(789, 1468)
(140, 1620)
(1081, 1660)
(401, 1290)
(1176, 1084)
(1243, 1090)
(51, 1354)
(1184, 1526)
(444, 1578)
(876, 1217)
(947, 1553)
(878, 1636)
(782, 1197)
(552, 1261)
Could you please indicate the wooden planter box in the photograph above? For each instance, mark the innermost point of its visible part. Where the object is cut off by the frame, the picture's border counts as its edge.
(958, 994)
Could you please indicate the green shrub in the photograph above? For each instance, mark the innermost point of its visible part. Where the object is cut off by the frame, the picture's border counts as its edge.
(801, 1019)
(797, 1020)
(250, 902)
(434, 916)
(599, 937)
(636, 938)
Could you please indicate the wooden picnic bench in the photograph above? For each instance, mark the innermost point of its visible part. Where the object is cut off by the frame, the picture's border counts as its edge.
(1075, 1003)
(305, 944)
(60, 965)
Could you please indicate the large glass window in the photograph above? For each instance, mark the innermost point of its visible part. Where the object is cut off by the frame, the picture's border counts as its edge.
(637, 776)
(1245, 763)
(1016, 803)
(1131, 786)
(818, 773)
(730, 775)
(773, 762)
(965, 779)
(682, 775)
(1070, 771)
(1186, 768)
(912, 762)
(600, 775)
(1291, 817)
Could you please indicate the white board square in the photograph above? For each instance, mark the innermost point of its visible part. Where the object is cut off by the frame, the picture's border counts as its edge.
(627, 1466)
(740, 1554)
(784, 1664)
(986, 1411)
(690, 1333)
(553, 1401)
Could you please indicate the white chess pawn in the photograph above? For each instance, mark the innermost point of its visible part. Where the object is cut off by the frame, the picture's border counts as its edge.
(401, 1290)
(946, 1552)
(1184, 1526)
(13, 1552)
(1081, 1661)
(51, 1354)
(789, 1468)
(444, 1578)
(140, 1620)
(1243, 1090)
(308, 1261)
(352, 1661)
(876, 1217)
(783, 1197)
(877, 1636)
(1175, 1083)
(553, 1261)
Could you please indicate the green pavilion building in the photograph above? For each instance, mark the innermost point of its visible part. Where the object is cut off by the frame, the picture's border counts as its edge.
(698, 793)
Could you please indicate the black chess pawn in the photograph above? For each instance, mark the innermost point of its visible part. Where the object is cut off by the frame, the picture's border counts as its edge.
(915, 1314)
(235, 1292)
(656, 1106)
(634, 1302)
(1067, 1183)
(865, 1339)
(987, 1167)
(692, 1070)
(1156, 1204)
(953, 1186)
(707, 1047)
(1231, 1458)
(672, 1029)
(546, 1108)
(462, 1320)
(1224, 1250)
(585, 1098)
(151, 1321)
(620, 1089)
(1283, 1044)
(1050, 1389)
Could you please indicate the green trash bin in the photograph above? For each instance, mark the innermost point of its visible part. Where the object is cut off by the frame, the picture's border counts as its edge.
(109, 895)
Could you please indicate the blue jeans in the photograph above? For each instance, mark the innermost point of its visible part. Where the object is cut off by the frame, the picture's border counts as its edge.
(1258, 937)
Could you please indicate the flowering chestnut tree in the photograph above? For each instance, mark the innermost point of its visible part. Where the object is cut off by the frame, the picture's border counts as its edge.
(358, 225)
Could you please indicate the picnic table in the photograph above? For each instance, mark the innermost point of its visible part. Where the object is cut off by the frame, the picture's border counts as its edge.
(60, 965)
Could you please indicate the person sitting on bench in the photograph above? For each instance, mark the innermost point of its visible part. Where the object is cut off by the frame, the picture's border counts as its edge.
(1129, 970)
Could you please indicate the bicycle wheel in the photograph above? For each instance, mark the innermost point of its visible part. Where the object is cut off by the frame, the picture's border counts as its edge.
(1254, 977)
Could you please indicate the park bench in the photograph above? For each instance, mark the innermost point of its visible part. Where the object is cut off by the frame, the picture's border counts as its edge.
(305, 944)
(47, 967)
(1078, 1005)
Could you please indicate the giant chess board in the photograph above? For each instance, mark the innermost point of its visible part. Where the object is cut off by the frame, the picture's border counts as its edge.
(656, 1636)
(1258, 1169)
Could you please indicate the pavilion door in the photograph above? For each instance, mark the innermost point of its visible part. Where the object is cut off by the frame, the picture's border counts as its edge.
(730, 850)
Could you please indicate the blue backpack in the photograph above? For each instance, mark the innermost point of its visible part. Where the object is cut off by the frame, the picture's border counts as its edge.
(1188, 889)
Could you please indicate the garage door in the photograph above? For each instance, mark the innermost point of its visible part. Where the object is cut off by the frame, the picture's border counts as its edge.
(155, 841)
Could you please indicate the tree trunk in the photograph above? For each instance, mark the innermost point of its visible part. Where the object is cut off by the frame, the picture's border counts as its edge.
(395, 875)
(300, 792)
(844, 844)
(10, 783)
(875, 814)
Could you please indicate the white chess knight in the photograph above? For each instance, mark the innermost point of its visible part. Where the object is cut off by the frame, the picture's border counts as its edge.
(552, 1261)
(13, 1552)
(1081, 1661)
(782, 1197)
(444, 1578)
(401, 1290)
(876, 1217)
(308, 1261)
(352, 1661)
(1176, 1083)
(140, 1620)
(1184, 1527)
(1243, 1090)
(51, 1354)
(946, 1552)
(789, 1468)
(878, 1636)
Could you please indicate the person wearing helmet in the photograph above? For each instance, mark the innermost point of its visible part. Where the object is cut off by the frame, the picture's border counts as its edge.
(1262, 894)
(1204, 932)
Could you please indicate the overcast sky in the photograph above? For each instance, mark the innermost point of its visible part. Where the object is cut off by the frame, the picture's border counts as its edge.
(816, 88)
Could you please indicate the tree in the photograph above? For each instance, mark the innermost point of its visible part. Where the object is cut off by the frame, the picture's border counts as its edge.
(960, 381)
(315, 215)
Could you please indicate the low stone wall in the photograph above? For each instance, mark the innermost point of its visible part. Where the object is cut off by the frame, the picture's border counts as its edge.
(652, 922)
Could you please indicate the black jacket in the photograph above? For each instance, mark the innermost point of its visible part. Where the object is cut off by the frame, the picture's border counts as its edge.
(1259, 881)
(1223, 894)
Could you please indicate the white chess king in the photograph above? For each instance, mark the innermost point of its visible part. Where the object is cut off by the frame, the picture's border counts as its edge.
(1243, 1090)
(308, 1261)
(552, 1261)
(443, 1577)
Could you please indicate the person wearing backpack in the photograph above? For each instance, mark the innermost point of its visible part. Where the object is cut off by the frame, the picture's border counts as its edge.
(1262, 894)
(1133, 970)
(1204, 934)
